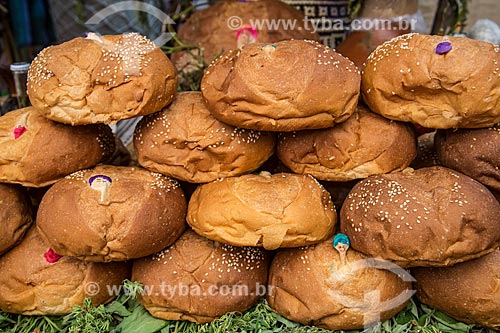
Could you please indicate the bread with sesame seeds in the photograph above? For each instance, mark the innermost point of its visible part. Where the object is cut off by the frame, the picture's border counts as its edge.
(312, 285)
(286, 86)
(363, 145)
(474, 152)
(186, 142)
(434, 81)
(37, 281)
(16, 215)
(37, 152)
(112, 213)
(101, 79)
(427, 217)
(199, 280)
(468, 292)
(272, 211)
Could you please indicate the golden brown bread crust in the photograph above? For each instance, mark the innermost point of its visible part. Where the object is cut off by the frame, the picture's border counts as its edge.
(309, 284)
(363, 145)
(474, 152)
(286, 86)
(405, 79)
(272, 211)
(46, 151)
(210, 28)
(16, 215)
(101, 79)
(467, 292)
(427, 217)
(30, 285)
(219, 278)
(139, 214)
(186, 142)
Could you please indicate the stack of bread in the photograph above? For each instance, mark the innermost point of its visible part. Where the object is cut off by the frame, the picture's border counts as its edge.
(275, 128)
(296, 100)
(92, 218)
(442, 218)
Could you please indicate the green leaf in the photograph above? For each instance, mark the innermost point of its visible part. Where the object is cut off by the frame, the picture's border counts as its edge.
(287, 323)
(426, 309)
(413, 309)
(451, 324)
(29, 324)
(444, 328)
(403, 318)
(88, 319)
(118, 308)
(445, 319)
(140, 321)
(5, 319)
(425, 319)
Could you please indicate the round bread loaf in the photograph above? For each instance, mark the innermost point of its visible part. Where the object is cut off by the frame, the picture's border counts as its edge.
(112, 213)
(16, 215)
(280, 210)
(474, 152)
(186, 142)
(363, 145)
(101, 79)
(286, 86)
(427, 217)
(312, 285)
(36, 152)
(435, 81)
(200, 280)
(468, 292)
(37, 281)
(227, 25)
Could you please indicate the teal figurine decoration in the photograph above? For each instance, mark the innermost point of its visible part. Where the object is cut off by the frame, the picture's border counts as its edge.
(342, 243)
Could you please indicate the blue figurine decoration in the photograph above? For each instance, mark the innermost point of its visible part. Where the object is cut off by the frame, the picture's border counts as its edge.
(342, 243)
